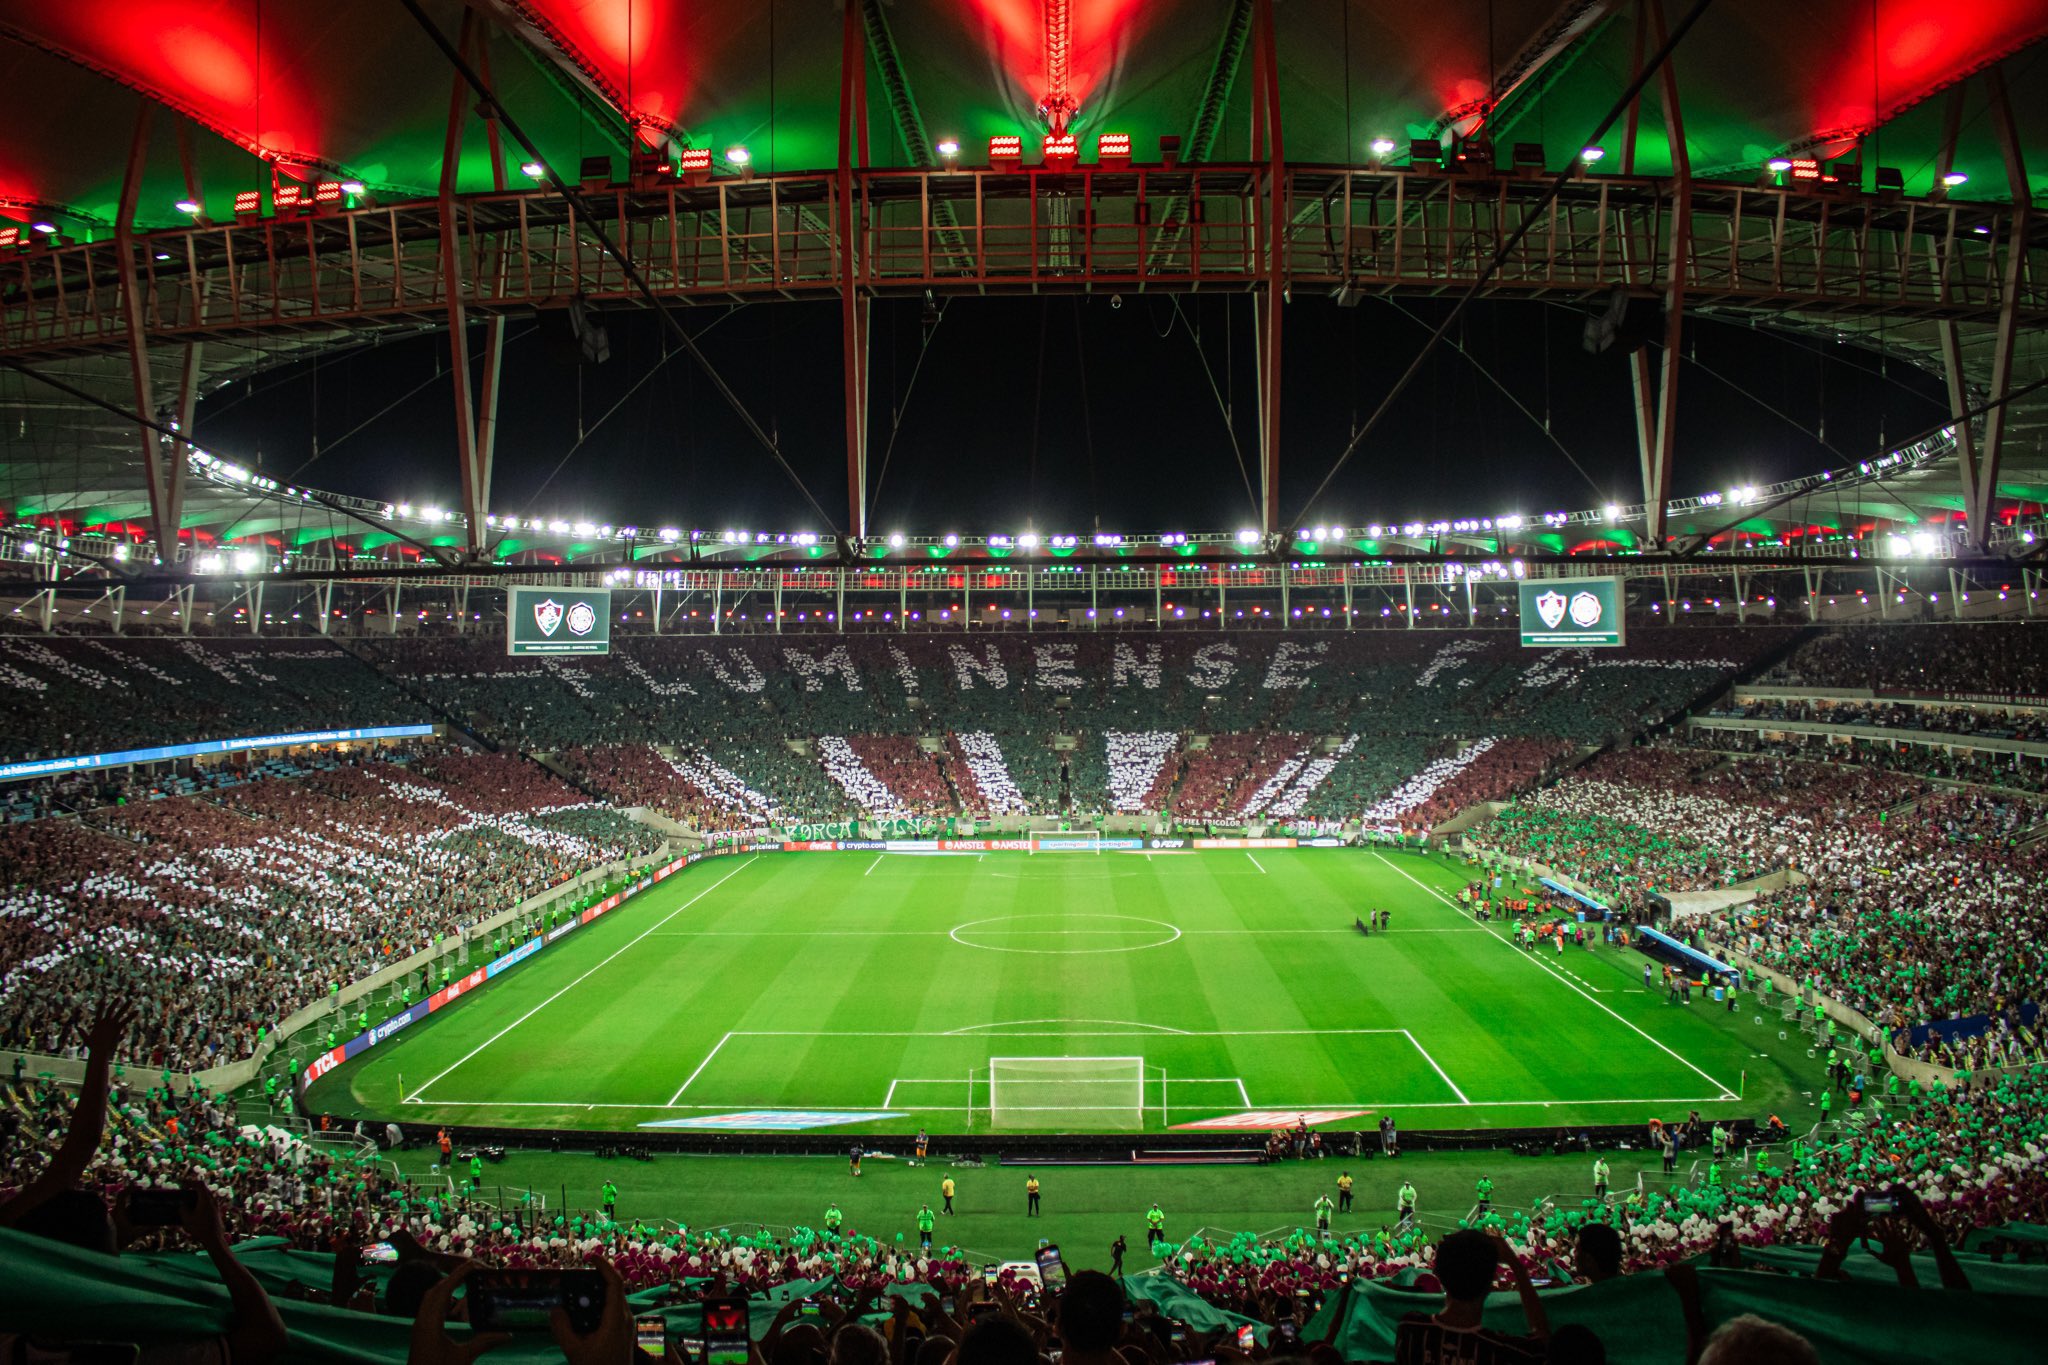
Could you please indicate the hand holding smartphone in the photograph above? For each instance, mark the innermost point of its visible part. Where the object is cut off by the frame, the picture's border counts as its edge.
(525, 1300)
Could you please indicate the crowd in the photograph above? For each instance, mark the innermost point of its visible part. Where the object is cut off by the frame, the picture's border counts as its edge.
(1236, 777)
(1915, 904)
(1973, 767)
(1991, 722)
(227, 913)
(78, 1170)
(1388, 698)
(1928, 660)
(65, 695)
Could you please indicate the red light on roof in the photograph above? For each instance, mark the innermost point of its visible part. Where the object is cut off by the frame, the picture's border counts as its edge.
(327, 192)
(1113, 144)
(1008, 147)
(1062, 147)
(695, 160)
(249, 201)
(10, 236)
(1806, 168)
(287, 196)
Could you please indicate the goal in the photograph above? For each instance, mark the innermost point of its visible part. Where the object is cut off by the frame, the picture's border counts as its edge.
(1050, 1092)
(1065, 841)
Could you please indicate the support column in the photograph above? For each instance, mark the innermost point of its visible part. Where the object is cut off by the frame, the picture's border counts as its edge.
(1656, 424)
(853, 308)
(1350, 618)
(1812, 596)
(1983, 494)
(157, 470)
(1408, 586)
(717, 603)
(1272, 240)
(778, 601)
(323, 601)
(475, 421)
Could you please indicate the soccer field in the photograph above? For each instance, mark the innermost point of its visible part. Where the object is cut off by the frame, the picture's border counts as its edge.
(1110, 992)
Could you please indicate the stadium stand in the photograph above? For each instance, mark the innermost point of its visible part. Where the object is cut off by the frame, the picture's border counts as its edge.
(227, 912)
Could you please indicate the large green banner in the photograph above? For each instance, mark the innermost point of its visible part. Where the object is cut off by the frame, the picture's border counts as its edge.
(559, 621)
(1572, 613)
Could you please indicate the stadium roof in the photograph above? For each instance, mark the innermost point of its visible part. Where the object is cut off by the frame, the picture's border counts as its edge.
(250, 94)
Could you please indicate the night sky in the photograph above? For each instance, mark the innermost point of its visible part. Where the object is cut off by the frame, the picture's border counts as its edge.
(1066, 414)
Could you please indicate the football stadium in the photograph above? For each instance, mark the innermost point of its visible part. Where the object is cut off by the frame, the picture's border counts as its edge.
(1029, 682)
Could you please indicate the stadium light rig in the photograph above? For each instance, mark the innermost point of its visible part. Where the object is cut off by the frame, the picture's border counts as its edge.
(1056, 110)
(1006, 151)
(1060, 150)
(1113, 150)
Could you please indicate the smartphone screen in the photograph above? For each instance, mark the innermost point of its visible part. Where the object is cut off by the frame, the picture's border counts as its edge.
(1052, 1271)
(809, 1309)
(525, 1300)
(380, 1253)
(948, 1306)
(1246, 1338)
(1879, 1203)
(158, 1208)
(651, 1333)
(725, 1331)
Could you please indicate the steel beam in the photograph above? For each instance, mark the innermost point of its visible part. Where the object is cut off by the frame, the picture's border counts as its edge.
(1983, 494)
(1273, 200)
(159, 470)
(853, 306)
(1656, 442)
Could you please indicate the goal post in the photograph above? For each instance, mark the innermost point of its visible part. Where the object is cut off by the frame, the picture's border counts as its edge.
(1064, 841)
(1052, 1092)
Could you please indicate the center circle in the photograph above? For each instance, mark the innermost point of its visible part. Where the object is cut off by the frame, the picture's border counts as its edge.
(1019, 933)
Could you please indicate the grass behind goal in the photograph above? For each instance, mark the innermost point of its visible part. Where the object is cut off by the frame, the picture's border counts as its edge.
(1014, 992)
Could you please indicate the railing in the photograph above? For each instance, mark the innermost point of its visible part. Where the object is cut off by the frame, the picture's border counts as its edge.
(1033, 231)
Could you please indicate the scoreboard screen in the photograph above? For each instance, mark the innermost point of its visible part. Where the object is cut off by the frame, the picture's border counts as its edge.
(559, 621)
(1572, 613)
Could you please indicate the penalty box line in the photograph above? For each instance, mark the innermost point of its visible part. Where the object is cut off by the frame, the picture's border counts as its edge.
(586, 976)
(1726, 1092)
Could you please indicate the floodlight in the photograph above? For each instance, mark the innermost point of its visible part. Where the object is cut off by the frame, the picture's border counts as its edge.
(533, 170)
(43, 227)
(186, 206)
(1383, 147)
(950, 147)
(738, 156)
(1955, 178)
(1779, 164)
(896, 541)
(1592, 154)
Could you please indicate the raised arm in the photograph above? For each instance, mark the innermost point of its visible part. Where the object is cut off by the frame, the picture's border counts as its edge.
(1532, 1304)
(88, 1120)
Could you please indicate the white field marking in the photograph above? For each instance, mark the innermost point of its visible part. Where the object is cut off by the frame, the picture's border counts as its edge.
(1726, 1093)
(1121, 1108)
(1026, 1023)
(1438, 1069)
(943, 933)
(700, 1067)
(875, 864)
(1244, 1095)
(1186, 1033)
(889, 1100)
(975, 926)
(579, 980)
(1256, 863)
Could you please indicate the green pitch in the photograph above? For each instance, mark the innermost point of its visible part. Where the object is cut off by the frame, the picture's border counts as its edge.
(1107, 992)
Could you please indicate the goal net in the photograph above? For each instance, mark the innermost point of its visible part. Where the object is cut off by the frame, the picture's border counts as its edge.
(1051, 1092)
(1063, 841)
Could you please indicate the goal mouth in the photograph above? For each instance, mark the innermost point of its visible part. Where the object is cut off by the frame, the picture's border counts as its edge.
(1086, 1092)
